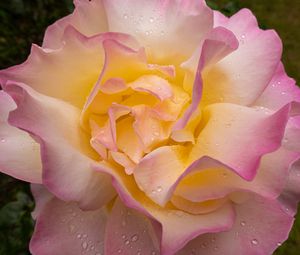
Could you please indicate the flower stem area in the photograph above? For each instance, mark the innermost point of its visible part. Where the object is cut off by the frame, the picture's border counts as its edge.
(24, 22)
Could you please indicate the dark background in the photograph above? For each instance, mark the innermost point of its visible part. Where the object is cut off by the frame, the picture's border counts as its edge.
(23, 22)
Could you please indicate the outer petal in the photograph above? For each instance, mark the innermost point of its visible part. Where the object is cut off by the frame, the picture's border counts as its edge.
(291, 139)
(243, 75)
(78, 64)
(63, 228)
(217, 44)
(88, 18)
(280, 91)
(252, 234)
(129, 232)
(255, 131)
(290, 196)
(64, 147)
(209, 179)
(20, 154)
(161, 25)
(170, 219)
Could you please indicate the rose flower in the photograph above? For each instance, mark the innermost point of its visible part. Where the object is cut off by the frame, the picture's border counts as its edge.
(154, 127)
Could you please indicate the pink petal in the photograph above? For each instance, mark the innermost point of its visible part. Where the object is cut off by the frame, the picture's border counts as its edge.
(65, 149)
(170, 219)
(158, 24)
(73, 79)
(229, 125)
(124, 161)
(252, 234)
(159, 170)
(280, 91)
(117, 55)
(63, 228)
(243, 75)
(291, 139)
(290, 196)
(20, 154)
(41, 197)
(88, 18)
(150, 130)
(129, 232)
(128, 141)
(217, 44)
(154, 85)
(208, 179)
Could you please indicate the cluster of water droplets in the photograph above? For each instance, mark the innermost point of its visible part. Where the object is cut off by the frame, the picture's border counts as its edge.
(74, 221)
(149, 25)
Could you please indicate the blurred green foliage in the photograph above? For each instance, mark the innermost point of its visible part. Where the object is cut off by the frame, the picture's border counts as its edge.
(24, 21)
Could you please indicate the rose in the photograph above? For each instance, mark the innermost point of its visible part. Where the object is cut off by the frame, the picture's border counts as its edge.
(176, 132)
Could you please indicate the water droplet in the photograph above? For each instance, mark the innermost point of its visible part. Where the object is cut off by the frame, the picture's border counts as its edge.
(156, 133)
(204, 245)
(179, 213)
(283, 93)
(159, 189)
(74, 214)
(153, 253)
(123, 236)
(162, 33)
(147, 32)
(119, 251)
(134, 238)
(278, 82)
(254, 241)
(127, 242)
(71, 228)
(213, 239)
(216, 248)
(243, 223)
(85, 236)
(139, 253)
(92, 247)
(123, 223)
(125, 16)
(78, 236)
(151, 19)
(2, 140)
(84, 245)
(279, 244)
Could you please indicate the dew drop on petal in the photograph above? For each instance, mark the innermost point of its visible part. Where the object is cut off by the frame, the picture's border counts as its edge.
(156, 133)
(127, 242)
(279, 244)
(134, 238)
(243, 223)
(151, 19)
(254, 241)
(125, 16)
(159, 189)
(71, 228)
(84, 245)
(119, 251)
(2, 140)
